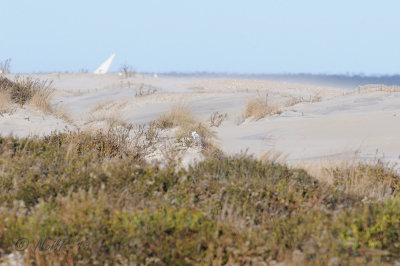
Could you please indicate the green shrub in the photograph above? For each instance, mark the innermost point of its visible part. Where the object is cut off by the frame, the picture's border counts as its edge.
(225, 210)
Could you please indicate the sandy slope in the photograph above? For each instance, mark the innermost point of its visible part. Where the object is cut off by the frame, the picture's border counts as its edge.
(342, 123)
(27, 121)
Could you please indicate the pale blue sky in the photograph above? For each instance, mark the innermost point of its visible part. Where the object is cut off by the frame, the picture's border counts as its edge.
(254, 36)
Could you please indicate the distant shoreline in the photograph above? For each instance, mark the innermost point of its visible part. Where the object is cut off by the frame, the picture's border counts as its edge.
(344, 81)
(331, 80)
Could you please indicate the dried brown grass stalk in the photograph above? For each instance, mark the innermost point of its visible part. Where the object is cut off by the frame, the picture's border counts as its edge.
(35, 92)
(41, 99)
(373, 180)
(171, 152)
(5, 102)
(28, 90)
(179, 115)
(259, 108)
(216, 119)
(5, 66)
(127, 70)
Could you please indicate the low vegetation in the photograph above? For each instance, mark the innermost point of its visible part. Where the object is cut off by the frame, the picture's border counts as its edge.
(178, 115)
(145, 89)
(24, 91)
(226, 210)
(127, 71)
(376, 182)
(370, 88)
(5, 66)
(5, 102)
(106, 116)
(258, 108)
(181, 118)
(217, 118)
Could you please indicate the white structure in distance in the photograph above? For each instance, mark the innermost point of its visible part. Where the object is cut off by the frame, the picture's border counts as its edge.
(103, 69)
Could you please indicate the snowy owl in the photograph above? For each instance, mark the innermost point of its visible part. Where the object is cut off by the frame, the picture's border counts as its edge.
(196, 138)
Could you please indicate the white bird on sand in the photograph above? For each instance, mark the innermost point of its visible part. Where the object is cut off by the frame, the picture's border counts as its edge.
(196, 138)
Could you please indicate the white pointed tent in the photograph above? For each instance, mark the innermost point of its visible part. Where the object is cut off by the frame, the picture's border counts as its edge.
(105, 66)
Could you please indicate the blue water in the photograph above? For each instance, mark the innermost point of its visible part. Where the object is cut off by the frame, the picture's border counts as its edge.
(340, 81)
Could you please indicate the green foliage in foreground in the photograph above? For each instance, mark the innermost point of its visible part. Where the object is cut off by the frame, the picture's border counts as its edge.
(221, 211)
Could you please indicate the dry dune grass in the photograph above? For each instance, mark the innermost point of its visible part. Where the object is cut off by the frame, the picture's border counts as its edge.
(217, 118)
(171, 153)
(293, 100)
(258, 108)
(61, 113)
(246, 85)
(178, 115)
(372, 180)
(106, 115)
(104, 121)
(181, 117)
(369, 88)
(5, 66)
(273, 156)
(22, 90)
(41, 99)
(5, 102)
(128, 71)
(109, 105)
(34, 92)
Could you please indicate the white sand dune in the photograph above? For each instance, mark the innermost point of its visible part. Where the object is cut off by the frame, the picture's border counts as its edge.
(342, 123)
(24, 122)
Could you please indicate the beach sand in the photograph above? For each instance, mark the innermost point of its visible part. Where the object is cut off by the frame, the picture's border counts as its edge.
(315, 123)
